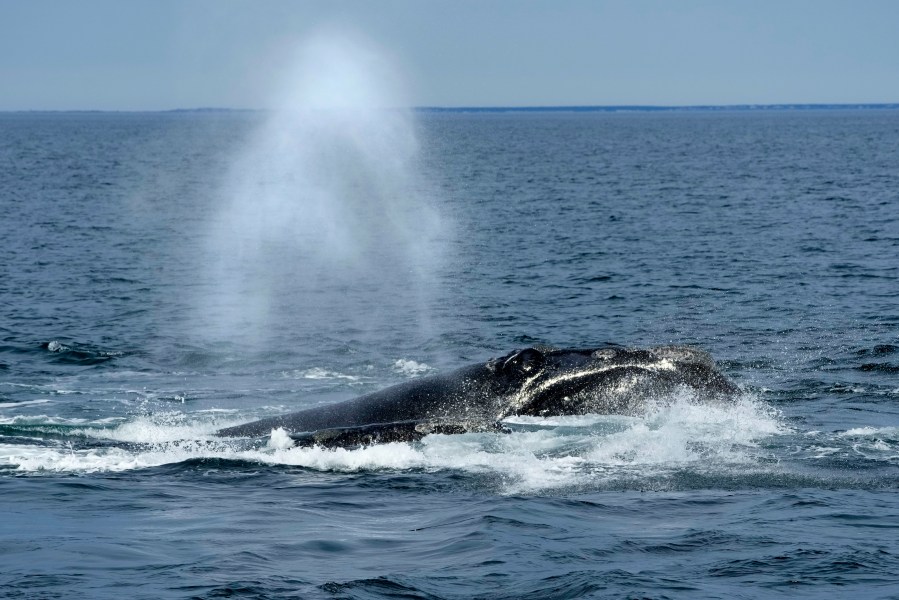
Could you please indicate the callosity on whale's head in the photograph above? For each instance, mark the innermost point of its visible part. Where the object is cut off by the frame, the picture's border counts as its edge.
(537, 381)
(609, 380)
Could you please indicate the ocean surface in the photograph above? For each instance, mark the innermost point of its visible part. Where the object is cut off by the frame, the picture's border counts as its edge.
(165, 275)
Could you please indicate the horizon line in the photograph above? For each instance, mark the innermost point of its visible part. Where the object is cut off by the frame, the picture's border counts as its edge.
(520, 108)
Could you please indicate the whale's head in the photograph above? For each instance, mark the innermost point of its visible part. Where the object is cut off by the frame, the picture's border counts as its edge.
(541, 381)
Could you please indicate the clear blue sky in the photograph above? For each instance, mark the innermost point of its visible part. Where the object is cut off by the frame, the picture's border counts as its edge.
(160, 54)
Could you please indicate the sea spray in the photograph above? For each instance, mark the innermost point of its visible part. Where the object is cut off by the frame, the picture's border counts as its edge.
(584, 451)
(327, 227)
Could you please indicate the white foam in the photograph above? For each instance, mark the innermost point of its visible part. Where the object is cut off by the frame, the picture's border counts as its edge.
(686, 432)
(160, 428)
(143, 431)
(318, 373)
(887, 432)
(279, 439)
(879, 444)
(39, 459)
(562, 451)
(28, 386)
(569, 420)
(19, 404)
(410, 368)
(43, 420)
(824, 451)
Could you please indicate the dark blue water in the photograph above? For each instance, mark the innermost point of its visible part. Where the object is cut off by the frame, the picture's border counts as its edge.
(152, 290)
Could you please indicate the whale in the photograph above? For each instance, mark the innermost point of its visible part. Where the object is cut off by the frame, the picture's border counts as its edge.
(538, 381)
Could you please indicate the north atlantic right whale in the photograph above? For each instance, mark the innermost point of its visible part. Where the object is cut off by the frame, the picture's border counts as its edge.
(538, 381)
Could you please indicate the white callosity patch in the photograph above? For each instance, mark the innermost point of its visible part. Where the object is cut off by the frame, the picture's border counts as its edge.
(568, 420)
(541, 381)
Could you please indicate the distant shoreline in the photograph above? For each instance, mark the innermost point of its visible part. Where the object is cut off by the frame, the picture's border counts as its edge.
(528, 109)
(661, 108)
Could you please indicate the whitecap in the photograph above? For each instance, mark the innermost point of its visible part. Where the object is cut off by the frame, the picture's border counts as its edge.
(410, 368)
(318, 373)
(550, 453)
(280, 439)
(23, 403)
(888, 432)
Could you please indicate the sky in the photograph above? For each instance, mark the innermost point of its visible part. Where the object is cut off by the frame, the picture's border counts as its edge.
(165, 54)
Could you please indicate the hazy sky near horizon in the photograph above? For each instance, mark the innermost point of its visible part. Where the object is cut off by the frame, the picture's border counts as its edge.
(162, 54)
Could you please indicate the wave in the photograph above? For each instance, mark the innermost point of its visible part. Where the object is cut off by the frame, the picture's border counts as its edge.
(78, 354)
(411, 368)
(539, 454)
(676, 440)
(21, 404)
(319, 373)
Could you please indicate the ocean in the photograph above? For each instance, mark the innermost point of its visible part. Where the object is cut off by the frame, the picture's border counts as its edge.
(164, 275)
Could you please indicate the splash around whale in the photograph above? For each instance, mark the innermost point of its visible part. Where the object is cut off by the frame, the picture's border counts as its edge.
(538, 381)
